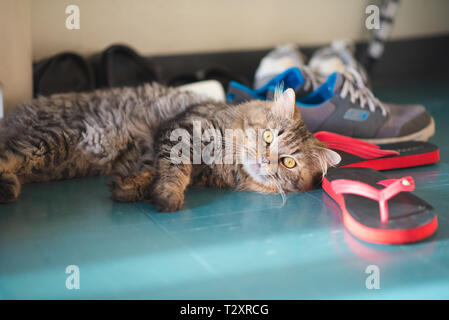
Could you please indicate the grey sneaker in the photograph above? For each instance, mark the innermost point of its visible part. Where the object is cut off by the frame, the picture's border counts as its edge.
(344, 105)
(335, 57)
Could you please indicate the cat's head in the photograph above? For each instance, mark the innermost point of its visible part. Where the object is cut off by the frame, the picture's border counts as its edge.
(288, 157)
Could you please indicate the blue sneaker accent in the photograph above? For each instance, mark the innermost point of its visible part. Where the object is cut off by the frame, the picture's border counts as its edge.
(322, 94)
(291, 78)
(230, 97)
(356, 115)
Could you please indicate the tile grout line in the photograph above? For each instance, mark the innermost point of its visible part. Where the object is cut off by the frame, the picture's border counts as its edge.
(200, 260)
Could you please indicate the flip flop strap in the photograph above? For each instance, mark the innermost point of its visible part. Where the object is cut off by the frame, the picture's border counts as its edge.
(353, 146)
(392, 188)
(330, 136)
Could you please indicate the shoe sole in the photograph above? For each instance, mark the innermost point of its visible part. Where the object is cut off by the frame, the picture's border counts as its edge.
(422, 135)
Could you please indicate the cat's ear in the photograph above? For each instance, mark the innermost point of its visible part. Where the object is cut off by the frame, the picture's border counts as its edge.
(285, 104)
(331, 157)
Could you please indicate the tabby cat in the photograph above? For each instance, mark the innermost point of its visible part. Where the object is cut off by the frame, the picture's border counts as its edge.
(126, 133)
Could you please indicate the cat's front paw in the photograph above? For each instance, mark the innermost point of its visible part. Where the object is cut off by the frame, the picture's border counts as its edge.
(166, 200)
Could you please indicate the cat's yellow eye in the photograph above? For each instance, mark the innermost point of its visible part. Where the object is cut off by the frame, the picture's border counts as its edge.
(268, 136)
(288, 162)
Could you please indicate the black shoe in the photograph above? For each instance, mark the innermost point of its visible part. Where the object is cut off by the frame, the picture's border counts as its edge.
(64, 72)
(119, 65)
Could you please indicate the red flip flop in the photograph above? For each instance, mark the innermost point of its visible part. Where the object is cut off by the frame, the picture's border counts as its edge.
(377, 209)
(358, 153)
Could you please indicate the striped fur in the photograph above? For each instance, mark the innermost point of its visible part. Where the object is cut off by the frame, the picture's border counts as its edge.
(125, 133)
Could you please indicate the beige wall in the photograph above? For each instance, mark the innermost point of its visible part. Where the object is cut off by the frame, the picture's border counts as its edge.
(36, 28)
(15, 51)
(180, 26)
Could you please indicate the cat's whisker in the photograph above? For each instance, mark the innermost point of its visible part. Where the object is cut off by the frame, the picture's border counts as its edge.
(281, 191)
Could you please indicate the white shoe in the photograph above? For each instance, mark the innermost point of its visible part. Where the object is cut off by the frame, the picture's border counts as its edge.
(208, 88)
(278, 60)
(336, 57)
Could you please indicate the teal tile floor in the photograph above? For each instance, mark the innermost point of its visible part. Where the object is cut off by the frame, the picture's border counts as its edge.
(222, 245)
